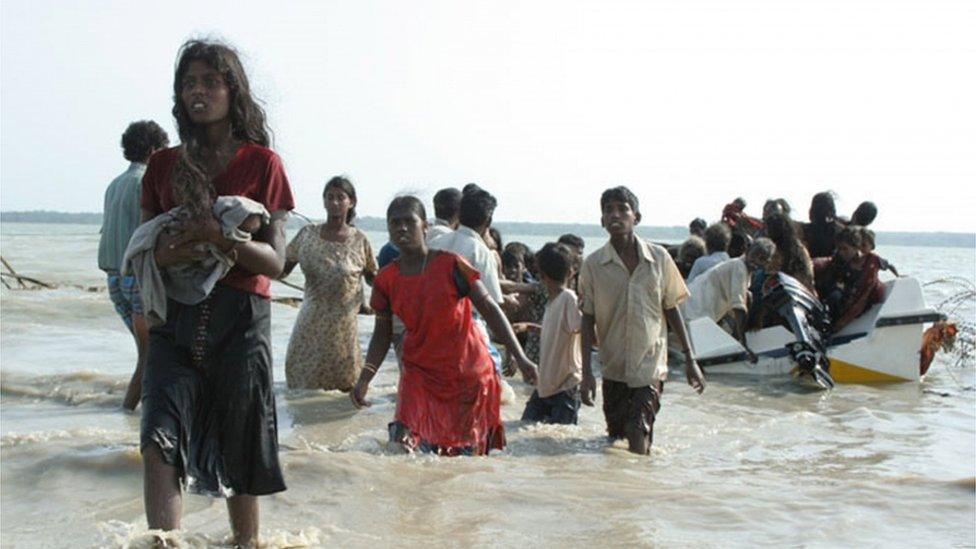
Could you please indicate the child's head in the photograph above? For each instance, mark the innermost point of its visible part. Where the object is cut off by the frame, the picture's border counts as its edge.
(849, 242)
(574, 242)
(339, 198)
(406, 221)
(620, 210)
(555, 262)
(477, 207)
(717, 238)
(512, 266)
(447, 203)
(867, 240)
(524, 254)
(252, 223)
(865, 214)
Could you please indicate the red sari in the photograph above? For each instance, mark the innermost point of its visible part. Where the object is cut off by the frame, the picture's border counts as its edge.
(449, 394)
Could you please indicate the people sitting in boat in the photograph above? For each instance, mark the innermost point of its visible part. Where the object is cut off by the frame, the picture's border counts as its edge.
(791, 256)
(690, 250)
(867, 246)
(733, 215)
(820, 233)
(723, 290)
(717, 238)
(697, 227)
(848, 281)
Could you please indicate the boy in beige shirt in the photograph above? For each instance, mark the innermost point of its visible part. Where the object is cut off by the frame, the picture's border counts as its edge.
(629, 294)
(556, 398)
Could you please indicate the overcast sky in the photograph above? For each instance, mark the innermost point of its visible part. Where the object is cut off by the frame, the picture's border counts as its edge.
(688, 102)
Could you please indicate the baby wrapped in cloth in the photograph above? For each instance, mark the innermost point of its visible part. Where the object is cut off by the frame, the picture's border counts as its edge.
(191, 283)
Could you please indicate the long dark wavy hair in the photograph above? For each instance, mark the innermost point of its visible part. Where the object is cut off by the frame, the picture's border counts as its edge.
(193, 186)
(785, 233)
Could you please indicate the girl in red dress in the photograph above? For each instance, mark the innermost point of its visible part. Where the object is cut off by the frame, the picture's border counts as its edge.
(449, 394)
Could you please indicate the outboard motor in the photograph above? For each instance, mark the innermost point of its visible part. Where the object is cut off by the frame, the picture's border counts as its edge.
(807, 318)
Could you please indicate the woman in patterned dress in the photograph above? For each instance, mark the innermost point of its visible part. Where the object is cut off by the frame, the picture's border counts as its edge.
(323, 352)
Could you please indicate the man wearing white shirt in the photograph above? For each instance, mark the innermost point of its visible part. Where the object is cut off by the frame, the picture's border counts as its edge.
(447, 205)
(724, 289)
(717, 238)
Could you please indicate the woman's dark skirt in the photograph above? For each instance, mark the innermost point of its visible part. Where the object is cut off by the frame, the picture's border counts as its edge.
(207, 395)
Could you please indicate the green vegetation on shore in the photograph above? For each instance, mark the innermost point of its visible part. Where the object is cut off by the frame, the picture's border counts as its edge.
(670, 234)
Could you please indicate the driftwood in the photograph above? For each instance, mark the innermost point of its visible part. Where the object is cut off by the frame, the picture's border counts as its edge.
(31, 283)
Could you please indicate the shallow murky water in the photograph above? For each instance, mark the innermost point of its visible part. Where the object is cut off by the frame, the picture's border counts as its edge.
(751, 462)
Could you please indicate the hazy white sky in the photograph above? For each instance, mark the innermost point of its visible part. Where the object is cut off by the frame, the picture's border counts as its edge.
(688, 102)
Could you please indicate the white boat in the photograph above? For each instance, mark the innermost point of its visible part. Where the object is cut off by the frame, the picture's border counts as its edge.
(881, 345)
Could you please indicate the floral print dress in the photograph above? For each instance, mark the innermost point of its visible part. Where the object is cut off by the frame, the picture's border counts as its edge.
(324, 352)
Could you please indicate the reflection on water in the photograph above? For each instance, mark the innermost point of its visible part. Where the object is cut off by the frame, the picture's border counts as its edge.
(752, 461)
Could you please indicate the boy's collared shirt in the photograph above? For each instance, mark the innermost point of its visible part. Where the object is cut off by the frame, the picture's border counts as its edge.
(629, 310)
(468, 244)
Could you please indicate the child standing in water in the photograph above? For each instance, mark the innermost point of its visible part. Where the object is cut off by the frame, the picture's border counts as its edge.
(629, 292)
(557, 397)
(449, 394)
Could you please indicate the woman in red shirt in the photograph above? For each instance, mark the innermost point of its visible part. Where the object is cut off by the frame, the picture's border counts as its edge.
(449, 394)
(208, 415)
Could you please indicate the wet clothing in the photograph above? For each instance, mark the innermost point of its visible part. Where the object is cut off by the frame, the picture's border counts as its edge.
(562, 407)
(207, 395)
(449, 395)
(255, 172)
(120, 217)
(631, 411)
(124, 293)
(323, 352)
(187, 283)
(207, 392)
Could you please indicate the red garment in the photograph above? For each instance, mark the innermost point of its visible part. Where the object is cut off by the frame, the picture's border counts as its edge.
(255, 172)
(736, 218)
(449, 393)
